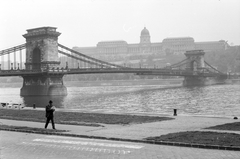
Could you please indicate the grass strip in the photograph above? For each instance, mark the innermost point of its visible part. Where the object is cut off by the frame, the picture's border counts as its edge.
(229, 126)
(200, 137)
(78, 118)
(31, 129)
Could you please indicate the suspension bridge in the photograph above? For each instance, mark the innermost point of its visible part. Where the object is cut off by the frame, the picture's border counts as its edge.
(42, 62)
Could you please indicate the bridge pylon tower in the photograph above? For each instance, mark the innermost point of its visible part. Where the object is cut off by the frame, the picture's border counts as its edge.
(42, 55)
(195, 62)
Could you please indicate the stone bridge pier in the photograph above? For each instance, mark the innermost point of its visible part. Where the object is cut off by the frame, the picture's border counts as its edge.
(42, 54)
(195, 63)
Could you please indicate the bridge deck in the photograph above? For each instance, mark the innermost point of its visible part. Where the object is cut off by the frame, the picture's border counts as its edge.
(138, 71)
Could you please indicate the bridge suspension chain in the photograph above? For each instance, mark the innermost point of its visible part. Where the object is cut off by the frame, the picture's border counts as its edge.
(90, 58)
(80, 59)
(212, 68)
(179, 64)
(13, 49)
(12, 60)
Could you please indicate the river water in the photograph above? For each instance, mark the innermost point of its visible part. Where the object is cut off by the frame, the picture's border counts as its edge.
(215, 100)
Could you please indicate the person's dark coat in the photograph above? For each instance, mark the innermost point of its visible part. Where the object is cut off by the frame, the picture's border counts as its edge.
(49, 112)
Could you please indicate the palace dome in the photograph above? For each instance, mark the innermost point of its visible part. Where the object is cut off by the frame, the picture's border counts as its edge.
(145, 32)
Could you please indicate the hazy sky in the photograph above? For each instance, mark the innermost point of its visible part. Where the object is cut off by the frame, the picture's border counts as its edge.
(86, 22)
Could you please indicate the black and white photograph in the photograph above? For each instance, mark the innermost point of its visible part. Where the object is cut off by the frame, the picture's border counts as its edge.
(119, 79)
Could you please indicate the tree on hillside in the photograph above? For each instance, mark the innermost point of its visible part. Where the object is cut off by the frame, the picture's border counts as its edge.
(225, 60)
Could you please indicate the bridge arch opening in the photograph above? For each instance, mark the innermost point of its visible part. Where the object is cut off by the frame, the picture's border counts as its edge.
(36, 59)
(194, 65)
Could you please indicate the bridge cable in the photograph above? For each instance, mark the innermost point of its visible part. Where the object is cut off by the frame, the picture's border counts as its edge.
(78, 58)
(212, 67)
(179, 63)
(13, 49)
(96, 60)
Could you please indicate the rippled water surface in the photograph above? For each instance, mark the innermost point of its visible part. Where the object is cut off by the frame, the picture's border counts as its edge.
(217, 100)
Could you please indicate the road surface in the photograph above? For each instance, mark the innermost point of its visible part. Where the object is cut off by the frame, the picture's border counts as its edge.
(16, 145)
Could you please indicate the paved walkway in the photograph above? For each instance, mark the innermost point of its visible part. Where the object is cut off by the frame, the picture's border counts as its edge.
(136, 131)
(28, 146)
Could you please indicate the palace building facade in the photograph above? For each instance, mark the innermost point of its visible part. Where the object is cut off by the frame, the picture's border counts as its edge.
(176, 45)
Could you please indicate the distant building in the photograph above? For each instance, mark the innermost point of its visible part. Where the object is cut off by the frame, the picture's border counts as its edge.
(121, 47)
(176, 45)
(211, 45)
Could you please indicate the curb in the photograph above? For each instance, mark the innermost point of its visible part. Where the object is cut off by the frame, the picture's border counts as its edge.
(180, 144)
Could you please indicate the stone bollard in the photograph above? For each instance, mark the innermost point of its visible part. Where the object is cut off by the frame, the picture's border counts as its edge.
(175, 112)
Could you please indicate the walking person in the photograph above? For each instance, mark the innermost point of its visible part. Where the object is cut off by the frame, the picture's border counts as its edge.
(50, 114)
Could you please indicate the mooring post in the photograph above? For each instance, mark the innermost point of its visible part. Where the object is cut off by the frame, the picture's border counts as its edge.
(175, 112)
